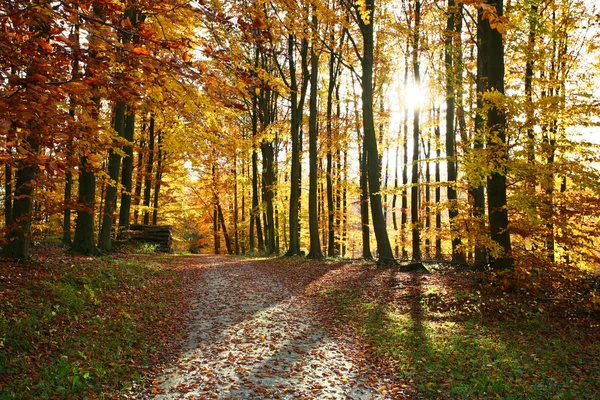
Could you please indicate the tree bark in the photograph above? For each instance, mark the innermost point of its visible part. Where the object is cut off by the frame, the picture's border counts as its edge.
(149, 167)
(110, 198)
(18, 238)
(451, 82)
(384, 249)
(158, 178)
(313, 217)
(127, 171)
(414, 192)
(492, 63)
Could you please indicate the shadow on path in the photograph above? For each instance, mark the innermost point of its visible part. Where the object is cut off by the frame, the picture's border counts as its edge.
(254, 335)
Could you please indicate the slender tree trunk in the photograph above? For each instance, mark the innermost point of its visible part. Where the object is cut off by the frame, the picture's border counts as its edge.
(236, 237)
(8, 195)
(69, 174)
(477, 190)
(427, 151)
(438, 188)
(451, 82)
(216, 237)
(139, 176)
(127, 171)
(149, 167)
(330, 204)
(313, 217)
(414, 195)
(404, 218)
(158, 180)
(384, 249)
(395, 197)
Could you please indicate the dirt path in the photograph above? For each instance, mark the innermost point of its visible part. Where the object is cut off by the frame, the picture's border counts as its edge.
(254, 335)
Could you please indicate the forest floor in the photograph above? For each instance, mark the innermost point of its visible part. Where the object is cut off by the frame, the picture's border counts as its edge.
(152, 326)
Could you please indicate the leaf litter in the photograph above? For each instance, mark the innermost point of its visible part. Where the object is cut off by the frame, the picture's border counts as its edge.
(254, 334)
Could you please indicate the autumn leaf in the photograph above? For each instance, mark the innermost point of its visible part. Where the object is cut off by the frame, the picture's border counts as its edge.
(141, 51)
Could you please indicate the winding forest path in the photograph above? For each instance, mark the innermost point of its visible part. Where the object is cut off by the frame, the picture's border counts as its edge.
(255, 335)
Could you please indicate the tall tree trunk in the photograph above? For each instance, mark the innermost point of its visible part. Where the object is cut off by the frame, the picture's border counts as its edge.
(69, 174)
(451, 82)
(427, 152)
(330, 204)
(255, 214)
(404, 195)
(384, 249)
(395, 196)
(438, 188)
(477, 189)
(110, 198)
(236, 237)
(127, 171)
(83, 241)
(492, 63)
(149, 167)
(8, 194)
(414, 192)
(139, 176)
(297, 105)
(158, 178)
(18, 238)
(313, 217)
(216, 237)
(364, 206)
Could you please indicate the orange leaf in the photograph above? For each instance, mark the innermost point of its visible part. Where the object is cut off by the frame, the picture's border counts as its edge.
(141, 51)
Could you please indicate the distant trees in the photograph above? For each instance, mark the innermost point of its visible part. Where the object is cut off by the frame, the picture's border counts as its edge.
(219, 117)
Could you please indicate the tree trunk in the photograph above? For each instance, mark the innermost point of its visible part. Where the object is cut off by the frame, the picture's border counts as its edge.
(149, 167)
(384, 249)
(414, 192)
(139, 176)
(438, 187)
(110, 199)
(404, 195)
(313, 217)
(127, 171)
(492, 63)
(297, 104)
(83, 241)
(451, 81)
(18, 238)
(8, 195)
(157, 182)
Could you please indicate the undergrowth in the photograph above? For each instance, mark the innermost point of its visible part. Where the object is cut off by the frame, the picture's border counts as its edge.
(80, 328)
(451, 338)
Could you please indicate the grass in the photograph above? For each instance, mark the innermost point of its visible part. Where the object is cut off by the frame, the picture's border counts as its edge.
(84, 328)
(448, 343)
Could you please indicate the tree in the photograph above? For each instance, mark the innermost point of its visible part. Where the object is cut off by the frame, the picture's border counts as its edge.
(490, 69)
(365, 17)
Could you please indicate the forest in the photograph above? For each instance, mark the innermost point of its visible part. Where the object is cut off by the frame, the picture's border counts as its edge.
(461, 131)
(460, 134)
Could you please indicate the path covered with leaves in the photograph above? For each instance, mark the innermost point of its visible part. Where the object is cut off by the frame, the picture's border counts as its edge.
(254, 334)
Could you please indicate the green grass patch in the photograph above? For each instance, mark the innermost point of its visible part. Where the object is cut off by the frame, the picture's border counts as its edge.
(87, 328)
(452, 352)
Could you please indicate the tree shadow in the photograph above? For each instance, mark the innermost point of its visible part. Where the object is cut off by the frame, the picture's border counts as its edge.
(254, 335)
